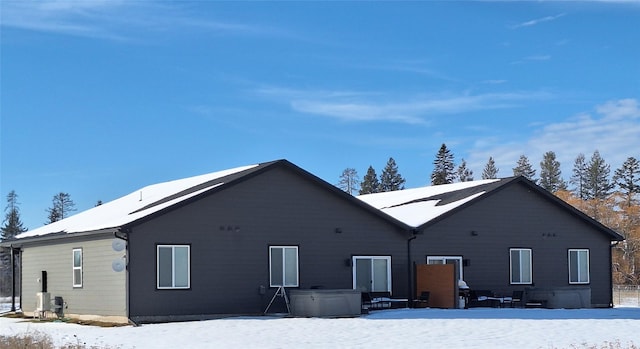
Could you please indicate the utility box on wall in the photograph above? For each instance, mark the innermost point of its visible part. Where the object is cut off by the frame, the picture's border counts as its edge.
(43, 301)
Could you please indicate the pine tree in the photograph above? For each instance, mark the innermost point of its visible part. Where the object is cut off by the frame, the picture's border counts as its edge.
(370, 183)
(390, 179)
(61, 208)
(550, 173)
(523, 168)
(443, 167)
(464, 174)
(490, 170)
(12, 225)
(579, 176)
(627, 178)
(597, 185)
(349, 180)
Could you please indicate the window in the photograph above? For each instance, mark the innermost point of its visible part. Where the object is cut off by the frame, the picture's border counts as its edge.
(578, 266)
(447, 260)
(173, 267)
(283, 266)
(520, 265)
(372, 273)
(77, 267)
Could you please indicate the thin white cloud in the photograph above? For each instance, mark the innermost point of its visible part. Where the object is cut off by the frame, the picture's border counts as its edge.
(77, 18)
(116, 19)
(533, 58)
(495, 81)
(409, 109)
(537, 21)
(613, 130)
(412, 66)
(633, 2)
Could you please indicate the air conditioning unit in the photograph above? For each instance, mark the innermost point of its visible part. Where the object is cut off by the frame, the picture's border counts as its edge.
(43, 301)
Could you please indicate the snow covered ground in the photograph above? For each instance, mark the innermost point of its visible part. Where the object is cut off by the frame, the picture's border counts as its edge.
(402, 328)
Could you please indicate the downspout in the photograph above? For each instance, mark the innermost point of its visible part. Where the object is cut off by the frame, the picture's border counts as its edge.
(612, 245)
(13, 279)
(125, 237)
(410, 297)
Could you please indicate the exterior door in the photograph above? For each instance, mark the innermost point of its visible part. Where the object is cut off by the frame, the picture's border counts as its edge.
(372, 273)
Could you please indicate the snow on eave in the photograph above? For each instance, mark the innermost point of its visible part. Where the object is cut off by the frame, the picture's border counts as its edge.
(134, 206)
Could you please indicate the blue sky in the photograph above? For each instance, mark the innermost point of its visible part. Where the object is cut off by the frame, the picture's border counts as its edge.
(99, 98)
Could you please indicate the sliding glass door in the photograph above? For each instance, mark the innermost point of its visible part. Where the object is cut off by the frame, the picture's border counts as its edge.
(372, 273)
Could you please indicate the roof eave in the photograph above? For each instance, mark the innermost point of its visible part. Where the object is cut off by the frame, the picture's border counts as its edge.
(56, 236)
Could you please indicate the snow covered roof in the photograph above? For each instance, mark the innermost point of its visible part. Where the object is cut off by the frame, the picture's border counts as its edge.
(408, 208)
(136, 205)
(418, 206)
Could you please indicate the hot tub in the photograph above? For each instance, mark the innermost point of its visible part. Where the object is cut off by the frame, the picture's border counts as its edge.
(560, 297)
(325, 303)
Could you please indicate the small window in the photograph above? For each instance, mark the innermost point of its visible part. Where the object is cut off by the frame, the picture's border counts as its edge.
(77, 267)
(578, 266)
(173, 267)
(283, 266)
(520, 259)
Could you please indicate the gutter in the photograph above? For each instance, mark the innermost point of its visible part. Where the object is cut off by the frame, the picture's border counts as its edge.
(54, 236)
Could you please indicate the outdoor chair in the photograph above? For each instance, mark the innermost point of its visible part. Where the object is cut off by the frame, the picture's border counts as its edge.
(423, 300)
(381, 299)
(516, 298)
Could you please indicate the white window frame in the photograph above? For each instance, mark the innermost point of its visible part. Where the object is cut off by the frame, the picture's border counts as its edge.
(387, 258)
(77, 283)
(578, 254)
(444, 259)
(283, 282)
(520, 282)
(173, 267)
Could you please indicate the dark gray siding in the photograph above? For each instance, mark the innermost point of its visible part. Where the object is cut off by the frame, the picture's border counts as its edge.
(517, 217)
(229, 266)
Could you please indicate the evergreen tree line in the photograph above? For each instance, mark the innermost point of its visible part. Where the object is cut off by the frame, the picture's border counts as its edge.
(590, 179)
(390, 180)
(612, 199)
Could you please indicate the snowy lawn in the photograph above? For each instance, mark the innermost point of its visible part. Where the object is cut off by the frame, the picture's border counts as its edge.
(402, 328)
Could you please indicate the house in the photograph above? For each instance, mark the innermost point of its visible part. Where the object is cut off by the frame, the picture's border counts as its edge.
(226, 242)
(508, 235)
(220, 243)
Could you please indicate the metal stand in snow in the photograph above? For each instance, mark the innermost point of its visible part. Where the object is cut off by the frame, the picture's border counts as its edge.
(279, 293)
